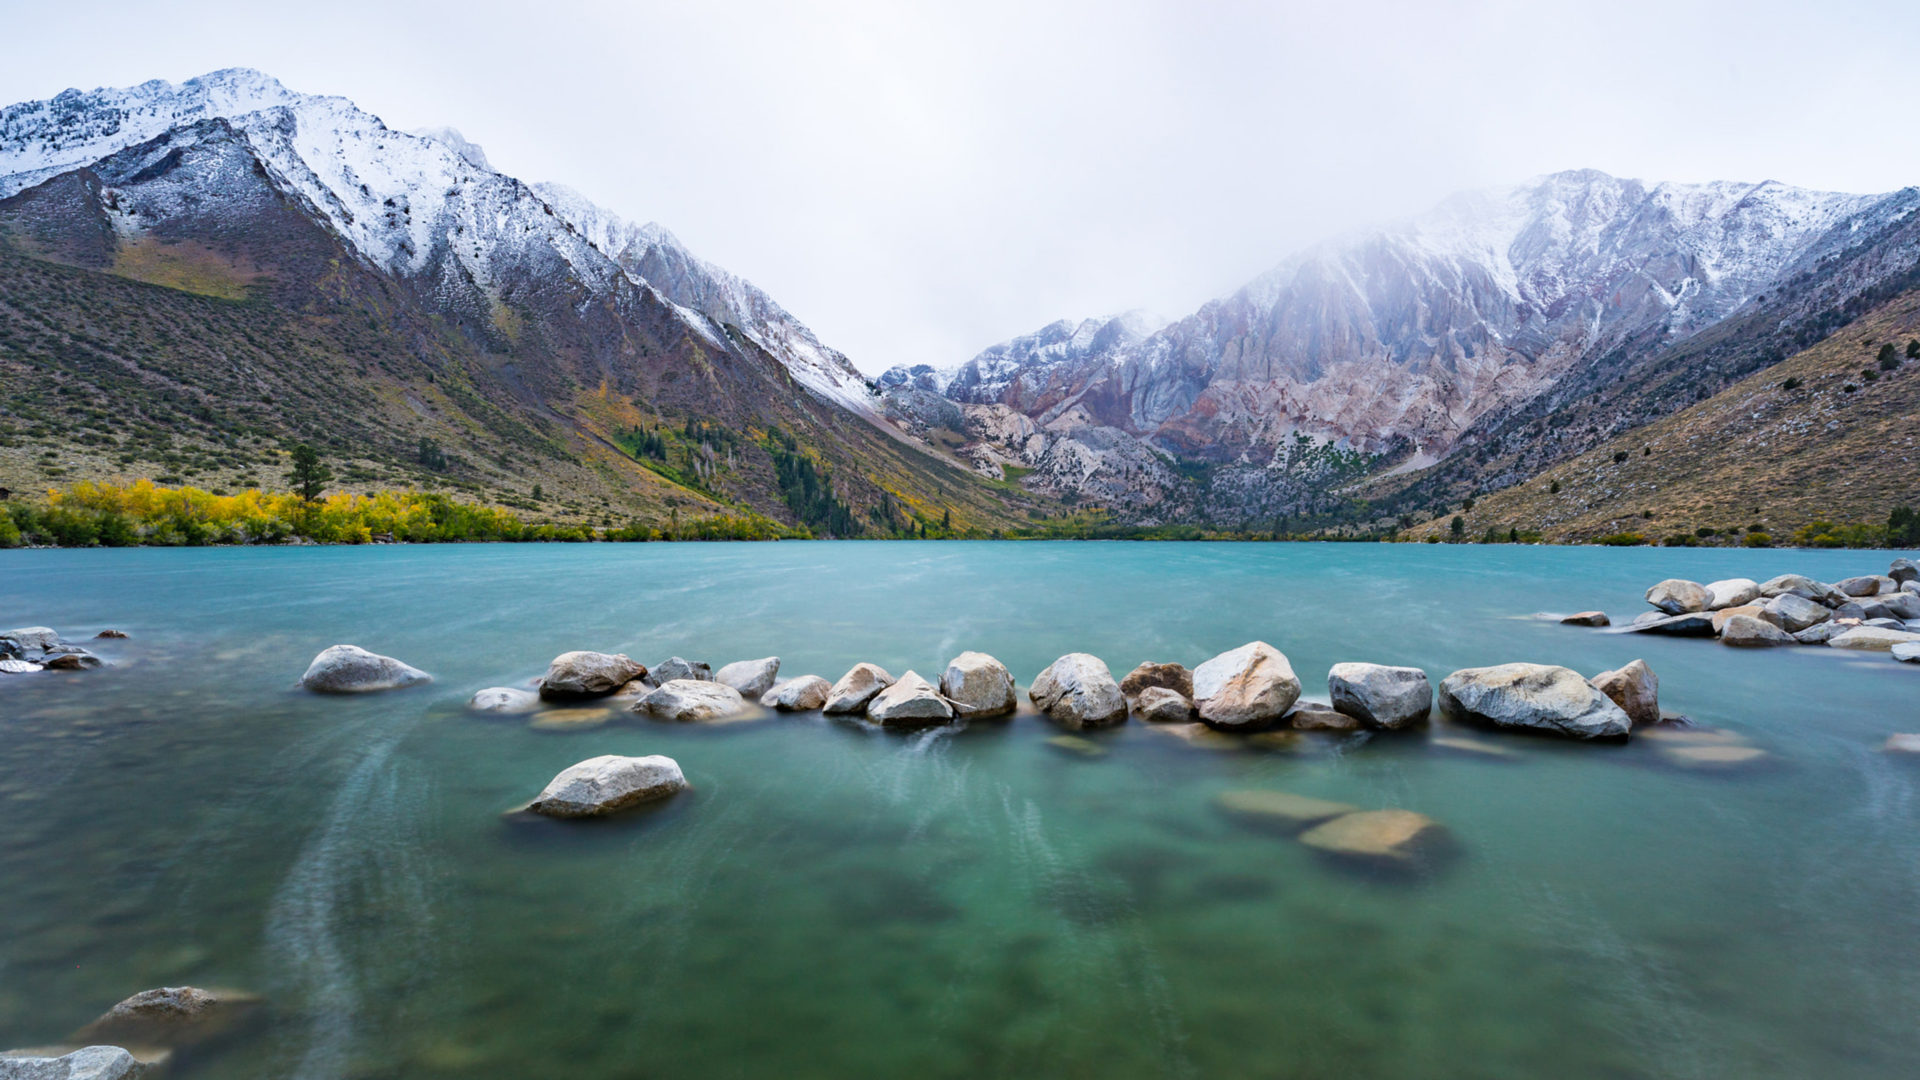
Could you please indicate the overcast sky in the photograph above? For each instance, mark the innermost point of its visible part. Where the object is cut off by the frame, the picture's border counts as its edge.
(918, 181)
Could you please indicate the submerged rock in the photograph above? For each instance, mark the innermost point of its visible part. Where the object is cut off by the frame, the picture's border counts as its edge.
(978, 685)
(1280, 809)
(1635, 688)
(1313, 716)
(1388, 838)
(1078, 691)
(751, 677)
(608, 783)
(585, 674)
(1872, 638)
(1476, 747)
(856, 688)
(1174, 677)
(1532, 697)
(1678, 596)
(1246, 688)
(1383, 696)
(1733, 592)
(1078, 746)
(111, 634)
(911, 702)
(1587, 618)
(85, 1063)
(349, 669)
(674, 667)
(804, 694)
(171, 1016)
(1162, 705)
(691, 701)
(570, 719)
(1709, 756)
(1745, 631)
(503, 699)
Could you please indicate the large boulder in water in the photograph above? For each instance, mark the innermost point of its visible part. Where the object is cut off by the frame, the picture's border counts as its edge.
(86, 1063)
(1635, 688)
(804, 694)
(751, 677)
(608, 783)
(1078, 691)
(1678, 596)
(1383, 696)
(911, 702)
(690, 701)
(171, 1016)
(1532, 697)
(978, 685)
(1246, 688)
(583, 674)
(1732, 592)
(1747, 632)
(503, 699)
(1174, 677)
(350, 669)
(856, 688)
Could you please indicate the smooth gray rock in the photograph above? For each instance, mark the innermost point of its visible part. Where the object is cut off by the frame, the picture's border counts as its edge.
(1246, 688)
(1647, 618)
(978, 685)
(691, 701)
(1379, 695)
(911, 702)
(1078, 691)
(608, 783)
(1904, 570)
(350, 669)
(86, 1063)
(1850, 610)
(856, 688)
(1587, 618)
(1692, 624)
(1794, 613)
(1314, 716)
(504, 699)
(804, 694)
(1745, 631)
(1635, 688)
(674, 667)
(751, 677)
(1163, 705)
(1821, 633)
(1678, 596)
(1902, 605)
(1799, 584)
(1907, 652)
(19, 667)
(37, 638)
(1871, 638)
(1886, 624)
(1532, 697)
(1732, 592)
(583, 674)
(1865, 585)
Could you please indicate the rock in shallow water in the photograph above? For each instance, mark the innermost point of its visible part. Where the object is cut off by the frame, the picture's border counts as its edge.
(1388, 838)
(504, 699)
(674, 667)
(803, 694)
(171, 1016)
(1247, 688)
(1678, 596)
(1907, 652)
(751, 677)
(1281, 810)
(1314, 716)
(1733, 592)
(1532, 697)
(1635, 688)
(856, 688)
(911, 702)
(1174, 677)
(1587, 618)
(978, 685)
(1693, 624)
(19, 667)
(1162, 705)
(1871, 638)
(349, 669)
(691, 701)
(1383, 696)
(37, 638)
(608, 783)
(1078, 691)
(584, 674)
(1747, 632)
(86, 1063)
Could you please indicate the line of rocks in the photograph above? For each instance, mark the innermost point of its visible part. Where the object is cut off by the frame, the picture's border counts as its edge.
(29, 650)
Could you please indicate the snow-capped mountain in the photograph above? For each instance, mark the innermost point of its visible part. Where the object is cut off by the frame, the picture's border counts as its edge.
(420, 205)
(1412, 332)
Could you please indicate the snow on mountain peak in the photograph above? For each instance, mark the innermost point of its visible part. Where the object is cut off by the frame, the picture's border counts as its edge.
(469, 152)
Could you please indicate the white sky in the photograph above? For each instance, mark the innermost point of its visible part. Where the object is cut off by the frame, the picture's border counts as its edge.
(920, 180)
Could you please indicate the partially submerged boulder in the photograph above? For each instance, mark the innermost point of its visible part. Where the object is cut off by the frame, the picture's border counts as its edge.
(1692, 624)
(72, 658)
(1078, 691)
(1794, 613)
(856, 688)
(1871, 638)
(1732, 592)
(169, 1017)
(1587, 618)
(1162, 705)
(504, 699)
(1821, 633)
(1532, 697)
(85, 1063)
(911, 702)
(34, 638)
(608, 783)
(806, 693)
(19, 667)
(1745, 631)
(1396, 839)
(978, 685)
(1635, 688)
(1907, 652)
(691, 701)
(1678, 596)
(1380, 695)
(584, 674)
(1281, 810)
(350, 669)
(1313, 716)
(111, 634)
(751, 677)
(1174, 677)
(1247, 688)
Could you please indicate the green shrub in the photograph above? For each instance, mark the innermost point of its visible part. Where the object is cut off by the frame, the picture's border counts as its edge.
(1623, 539)
(1681, 540)
(1759, 540)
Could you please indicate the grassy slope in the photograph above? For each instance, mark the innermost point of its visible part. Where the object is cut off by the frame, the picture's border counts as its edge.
(1754, 453)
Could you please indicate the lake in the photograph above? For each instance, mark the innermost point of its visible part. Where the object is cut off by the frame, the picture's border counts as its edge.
(833, 901)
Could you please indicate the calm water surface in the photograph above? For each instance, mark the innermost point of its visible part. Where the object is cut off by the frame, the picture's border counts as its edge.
(830, 901)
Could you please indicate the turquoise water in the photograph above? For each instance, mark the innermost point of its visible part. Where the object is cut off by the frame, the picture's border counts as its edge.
(830, 901)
